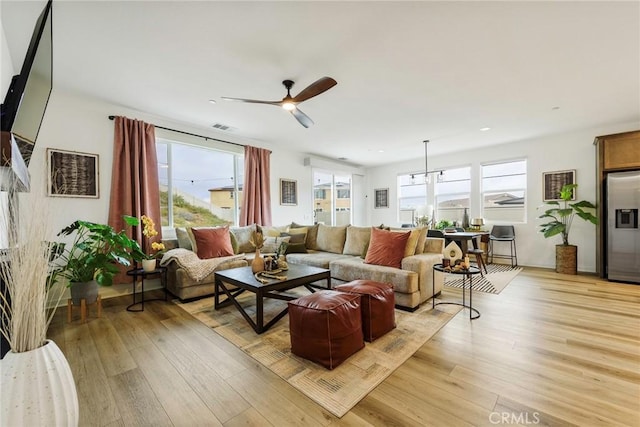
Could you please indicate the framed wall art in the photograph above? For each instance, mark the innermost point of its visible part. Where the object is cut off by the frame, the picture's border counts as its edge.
(552, 183)
(288, 192)
(72, 174)
(381, 198)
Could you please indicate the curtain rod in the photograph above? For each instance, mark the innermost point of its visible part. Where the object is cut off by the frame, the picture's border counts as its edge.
(192, 134)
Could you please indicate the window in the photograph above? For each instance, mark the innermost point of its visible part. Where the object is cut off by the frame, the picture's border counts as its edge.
(344, 193)
(504, 186)
(332, 201)
(411, 196)
(453, 193)
(199, 186)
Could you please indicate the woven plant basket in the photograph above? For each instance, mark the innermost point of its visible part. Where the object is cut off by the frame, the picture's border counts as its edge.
(567, 259)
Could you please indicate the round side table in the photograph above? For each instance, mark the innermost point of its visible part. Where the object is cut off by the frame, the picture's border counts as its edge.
(466, 274)
(142, 274)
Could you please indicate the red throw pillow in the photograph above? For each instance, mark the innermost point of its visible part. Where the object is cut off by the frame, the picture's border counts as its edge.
(213, 242)
(386, 247)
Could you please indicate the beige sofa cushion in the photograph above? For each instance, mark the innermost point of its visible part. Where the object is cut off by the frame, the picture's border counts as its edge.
(422, 238)
(315, 259)
(331, 238)
(417, 236)
(274, 231)
(184, 241)
(243, 237)
(312, 235)
(357, 240)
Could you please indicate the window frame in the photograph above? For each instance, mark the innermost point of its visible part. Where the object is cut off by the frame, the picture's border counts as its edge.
(171, 139)
(525, 175)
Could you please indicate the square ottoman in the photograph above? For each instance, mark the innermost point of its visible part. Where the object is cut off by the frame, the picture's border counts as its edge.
(378, 301)
(326, 327)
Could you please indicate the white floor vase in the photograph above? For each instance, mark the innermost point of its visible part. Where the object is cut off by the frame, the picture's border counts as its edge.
(38, 389)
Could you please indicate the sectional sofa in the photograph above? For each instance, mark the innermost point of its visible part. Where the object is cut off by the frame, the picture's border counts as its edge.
(341, 249)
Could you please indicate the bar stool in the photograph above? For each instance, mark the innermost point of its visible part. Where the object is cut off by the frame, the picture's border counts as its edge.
(503, 233)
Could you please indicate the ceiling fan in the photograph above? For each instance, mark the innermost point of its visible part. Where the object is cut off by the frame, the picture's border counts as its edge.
(290, 103)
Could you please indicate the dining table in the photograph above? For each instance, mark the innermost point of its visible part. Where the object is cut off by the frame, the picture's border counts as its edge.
(463, 238)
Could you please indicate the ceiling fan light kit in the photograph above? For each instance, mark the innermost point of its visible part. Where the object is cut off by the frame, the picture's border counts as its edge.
(290, 103)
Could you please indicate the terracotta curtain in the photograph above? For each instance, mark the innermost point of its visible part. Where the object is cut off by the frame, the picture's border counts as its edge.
(256, 203)
(134, 179)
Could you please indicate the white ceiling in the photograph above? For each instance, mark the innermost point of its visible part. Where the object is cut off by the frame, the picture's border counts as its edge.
(406, 71)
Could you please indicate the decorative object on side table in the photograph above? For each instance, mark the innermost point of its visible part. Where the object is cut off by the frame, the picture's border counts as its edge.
(561, 215)
(149, 231)
(452, 252)
(37, 383)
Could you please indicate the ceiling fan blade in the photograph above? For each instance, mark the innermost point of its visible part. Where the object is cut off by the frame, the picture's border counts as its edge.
(302, 118)
(315, 88)
(252, 101)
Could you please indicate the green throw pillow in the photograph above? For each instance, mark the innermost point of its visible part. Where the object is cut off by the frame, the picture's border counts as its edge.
(234, 243)
(296, 248)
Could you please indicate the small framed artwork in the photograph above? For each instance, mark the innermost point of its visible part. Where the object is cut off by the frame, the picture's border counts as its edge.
(381, 198)
(72, 174)
(552, 183)
(288, 192)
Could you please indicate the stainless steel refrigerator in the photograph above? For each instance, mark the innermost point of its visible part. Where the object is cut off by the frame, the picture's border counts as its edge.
(623, 233)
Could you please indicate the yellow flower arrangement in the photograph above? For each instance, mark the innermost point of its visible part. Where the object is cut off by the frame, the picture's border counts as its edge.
(149, 231)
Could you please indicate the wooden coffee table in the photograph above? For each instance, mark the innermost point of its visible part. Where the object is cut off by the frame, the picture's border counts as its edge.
(243, 280)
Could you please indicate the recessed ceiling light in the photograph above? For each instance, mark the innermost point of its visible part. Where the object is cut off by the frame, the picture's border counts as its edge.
(212, 101)
(484, 129)
(380, 151)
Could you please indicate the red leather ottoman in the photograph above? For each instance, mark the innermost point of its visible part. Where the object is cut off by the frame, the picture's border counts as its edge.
(378, 301)
(326, 327)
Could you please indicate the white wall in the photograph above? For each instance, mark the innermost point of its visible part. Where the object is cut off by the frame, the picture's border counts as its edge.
(573, 150)
(77, 123)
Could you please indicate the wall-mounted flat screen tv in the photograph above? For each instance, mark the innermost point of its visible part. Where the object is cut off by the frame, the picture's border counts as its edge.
(26, 100)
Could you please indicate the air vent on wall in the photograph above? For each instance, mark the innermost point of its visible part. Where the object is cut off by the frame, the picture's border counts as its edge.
(222, 127)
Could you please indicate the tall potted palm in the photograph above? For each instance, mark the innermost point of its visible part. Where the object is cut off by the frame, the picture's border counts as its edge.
(560, 216)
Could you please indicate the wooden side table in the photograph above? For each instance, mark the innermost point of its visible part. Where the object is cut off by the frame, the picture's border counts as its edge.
(83, 308)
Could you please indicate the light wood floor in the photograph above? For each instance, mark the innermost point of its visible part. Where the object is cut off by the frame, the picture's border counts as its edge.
(549, 350)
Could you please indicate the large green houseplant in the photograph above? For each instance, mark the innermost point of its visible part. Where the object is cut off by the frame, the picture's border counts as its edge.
(561, 215)
(93, 256)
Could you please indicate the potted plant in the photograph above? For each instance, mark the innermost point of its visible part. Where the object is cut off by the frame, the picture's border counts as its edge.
(93, 256)
(561, 217)
(149, 231)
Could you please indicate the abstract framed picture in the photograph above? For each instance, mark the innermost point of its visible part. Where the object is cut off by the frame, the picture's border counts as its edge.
(552, 183)
(288, 192)
(381, 198)
(72, 174)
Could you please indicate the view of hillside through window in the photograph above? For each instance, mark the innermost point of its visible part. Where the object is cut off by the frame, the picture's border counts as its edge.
(198, 186)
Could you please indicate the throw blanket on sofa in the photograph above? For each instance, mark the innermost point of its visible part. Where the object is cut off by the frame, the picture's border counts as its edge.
(195, 267)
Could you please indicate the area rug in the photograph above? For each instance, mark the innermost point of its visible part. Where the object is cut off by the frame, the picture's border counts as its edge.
(342, 388)
(497, 278)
